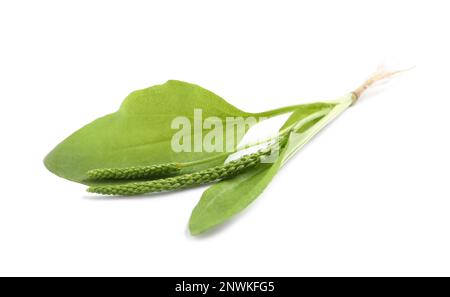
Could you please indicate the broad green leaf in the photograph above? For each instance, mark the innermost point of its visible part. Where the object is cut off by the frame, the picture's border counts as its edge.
(225, 199)
(140, 132)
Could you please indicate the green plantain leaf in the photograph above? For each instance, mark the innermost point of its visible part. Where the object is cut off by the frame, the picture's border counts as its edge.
(225, 199)
(140, 132)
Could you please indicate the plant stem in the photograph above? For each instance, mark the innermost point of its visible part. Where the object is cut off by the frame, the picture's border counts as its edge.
(278, 111)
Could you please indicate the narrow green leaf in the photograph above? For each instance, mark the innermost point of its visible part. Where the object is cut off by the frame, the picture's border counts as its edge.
(226, 198)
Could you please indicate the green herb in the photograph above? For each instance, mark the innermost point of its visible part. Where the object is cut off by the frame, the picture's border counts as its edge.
(130, 152)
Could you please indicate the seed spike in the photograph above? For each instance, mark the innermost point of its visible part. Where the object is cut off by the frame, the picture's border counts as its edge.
(136, 172)
(178, 182)
(208, 175)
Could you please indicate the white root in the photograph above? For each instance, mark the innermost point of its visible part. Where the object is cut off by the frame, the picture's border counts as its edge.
(380, 74)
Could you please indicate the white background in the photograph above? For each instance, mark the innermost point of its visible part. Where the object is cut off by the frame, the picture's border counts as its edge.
(368, 196)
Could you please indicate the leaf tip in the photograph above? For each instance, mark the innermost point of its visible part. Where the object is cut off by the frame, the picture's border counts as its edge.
(194, 229)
